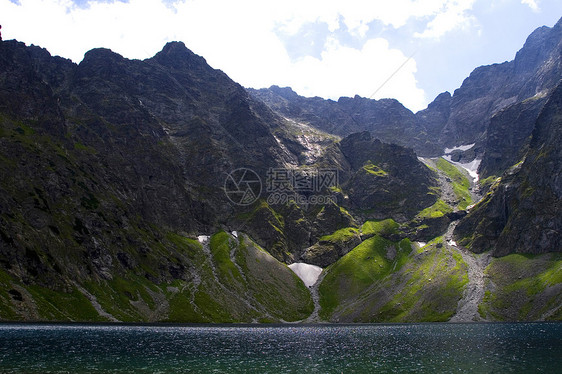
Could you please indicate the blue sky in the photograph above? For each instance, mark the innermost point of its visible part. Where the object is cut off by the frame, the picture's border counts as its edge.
(320, 48)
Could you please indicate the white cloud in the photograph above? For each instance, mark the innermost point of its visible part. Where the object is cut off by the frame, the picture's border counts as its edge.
(344, 71)
(357, 14)
(533, 4)
(135, 29)
(453, 15)
(240, 37)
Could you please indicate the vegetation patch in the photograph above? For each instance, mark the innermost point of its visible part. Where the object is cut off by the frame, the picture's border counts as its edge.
(421, 284)
(341, 235)
(119, 296)
(383, 228)
(7, 311)
(367, 263)
(181, 307)
(525, 287)
(461, 185)
(439, 209)
(250, 285)
(84, 148)
(220, 246)
(280, 293)
(63, 306)
(486, 183)
(437, 277)
(373, 169)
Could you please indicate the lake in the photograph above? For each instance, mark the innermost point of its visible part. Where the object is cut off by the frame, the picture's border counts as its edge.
(419, 348)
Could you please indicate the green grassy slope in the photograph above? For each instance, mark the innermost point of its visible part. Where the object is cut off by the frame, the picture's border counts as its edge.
(233, 281)
(384, 281)
(523, 288)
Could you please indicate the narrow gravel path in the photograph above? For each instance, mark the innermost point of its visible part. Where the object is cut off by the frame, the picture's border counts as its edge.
(467, 310)
(314, 317)
(97, 306)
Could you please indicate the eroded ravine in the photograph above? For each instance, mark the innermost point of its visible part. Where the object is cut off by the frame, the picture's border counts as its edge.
(467, 310)
(473, 294)
(314, 292)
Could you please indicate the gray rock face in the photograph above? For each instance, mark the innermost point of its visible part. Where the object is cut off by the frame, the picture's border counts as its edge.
(448, 121)
(105, 157)
(508, 136)
(386, 180)
(522, 213)
(489, 89)
(111, 147)
(385, 119)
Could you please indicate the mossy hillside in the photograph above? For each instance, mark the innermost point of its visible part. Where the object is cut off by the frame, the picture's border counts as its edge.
(382, 228)
(54, 295)
(216, 292)
(259, 206)
(370, 261)
(437, 210)
(340, 236)
(188, 301)
(373, 169)
(281, 293)
(523, 288)
(241, 283)
(20, 301)
(428, 223)
(221, 245)
(329, 248)
(461, 185)
(437, 277)
(255, 287)
(486, 183)
(8, 311)
(425, 287)
(129, 298)
(130, 295)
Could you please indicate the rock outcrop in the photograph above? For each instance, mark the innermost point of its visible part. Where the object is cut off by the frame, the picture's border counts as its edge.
(386, 180)
(522, 212)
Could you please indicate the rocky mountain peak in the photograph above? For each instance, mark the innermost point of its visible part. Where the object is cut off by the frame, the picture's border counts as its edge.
(444, 98)
(177, 55)
(98, 55)
(286, 92)
(542, 46)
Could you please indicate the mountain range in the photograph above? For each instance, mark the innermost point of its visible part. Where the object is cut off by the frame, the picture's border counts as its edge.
(161, 190)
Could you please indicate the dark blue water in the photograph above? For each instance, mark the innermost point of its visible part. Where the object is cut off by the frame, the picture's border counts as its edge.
(419, 348)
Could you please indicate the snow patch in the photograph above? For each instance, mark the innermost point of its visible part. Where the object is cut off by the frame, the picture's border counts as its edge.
(459, 148)
(421, 244)
(203, 238)
(452, 243)
(471, 167)
(308, 273)
(235, 234)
